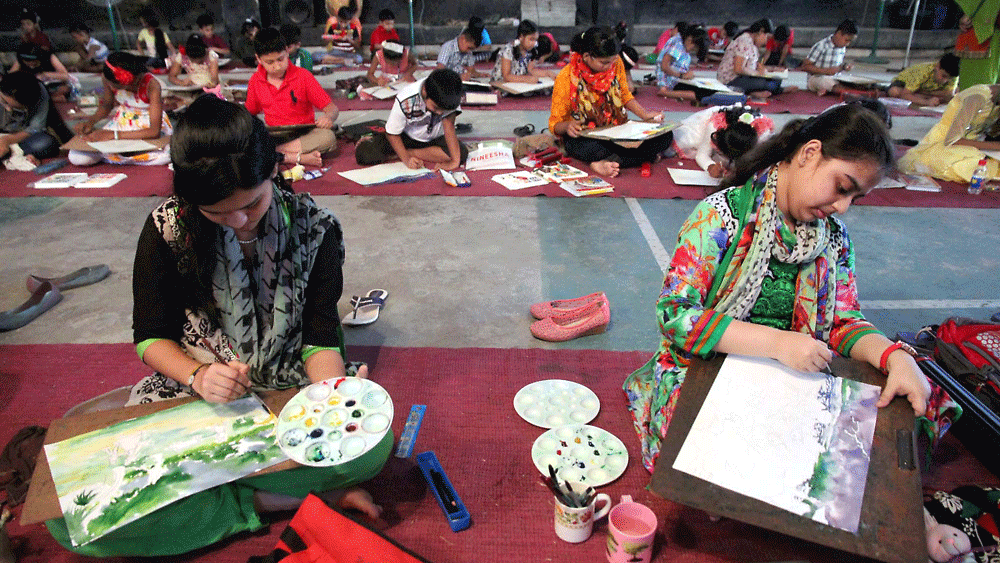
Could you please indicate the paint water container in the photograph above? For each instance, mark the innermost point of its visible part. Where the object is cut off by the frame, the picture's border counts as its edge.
(978, 178)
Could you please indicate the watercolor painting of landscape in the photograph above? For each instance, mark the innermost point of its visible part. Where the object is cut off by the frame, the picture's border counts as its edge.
(799, 441)
(113, 476)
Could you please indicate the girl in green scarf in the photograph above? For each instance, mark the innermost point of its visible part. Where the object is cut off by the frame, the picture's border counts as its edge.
(763, 268)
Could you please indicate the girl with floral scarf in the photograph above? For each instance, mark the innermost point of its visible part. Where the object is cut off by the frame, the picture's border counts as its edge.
(236, 285)
(764, 269)
(592, 91)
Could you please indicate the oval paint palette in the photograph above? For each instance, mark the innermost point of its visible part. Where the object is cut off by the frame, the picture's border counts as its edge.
(334, 421)
(581, 453)
(556, 402)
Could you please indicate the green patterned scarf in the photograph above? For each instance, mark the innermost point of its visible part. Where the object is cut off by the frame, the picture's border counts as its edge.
(260, 301)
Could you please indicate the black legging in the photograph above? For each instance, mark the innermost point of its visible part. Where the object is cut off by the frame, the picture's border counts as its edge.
(592, 150)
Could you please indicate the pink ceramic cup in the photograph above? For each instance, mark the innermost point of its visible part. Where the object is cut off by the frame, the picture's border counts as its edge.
(631, 528)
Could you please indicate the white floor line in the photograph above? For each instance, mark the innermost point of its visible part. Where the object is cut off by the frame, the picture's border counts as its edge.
(931, 304)
(660, 253)
(662, 256)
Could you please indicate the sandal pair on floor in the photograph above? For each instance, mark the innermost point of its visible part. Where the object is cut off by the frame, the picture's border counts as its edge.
(365, 309)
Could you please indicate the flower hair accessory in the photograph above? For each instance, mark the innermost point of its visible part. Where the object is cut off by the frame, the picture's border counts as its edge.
(746, 117)
(762, 124)
(122, 76)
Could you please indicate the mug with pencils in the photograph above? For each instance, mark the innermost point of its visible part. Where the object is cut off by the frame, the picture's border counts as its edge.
(576, 512)
(631, 529)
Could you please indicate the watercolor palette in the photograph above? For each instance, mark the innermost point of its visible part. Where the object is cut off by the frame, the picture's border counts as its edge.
(556, 402)
(334, 421)
(581, 453)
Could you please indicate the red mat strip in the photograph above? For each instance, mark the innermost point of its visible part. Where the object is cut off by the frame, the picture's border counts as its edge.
(481, 442)
(146, 181)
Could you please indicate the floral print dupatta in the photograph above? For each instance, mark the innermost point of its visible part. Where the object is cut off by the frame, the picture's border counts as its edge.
(595, 97)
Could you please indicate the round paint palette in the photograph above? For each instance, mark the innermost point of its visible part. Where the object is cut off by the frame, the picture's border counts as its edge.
(334, 421)
(556, 402)
(580, 452)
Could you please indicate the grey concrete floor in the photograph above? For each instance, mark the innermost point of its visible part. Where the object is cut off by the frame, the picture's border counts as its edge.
(461, 272)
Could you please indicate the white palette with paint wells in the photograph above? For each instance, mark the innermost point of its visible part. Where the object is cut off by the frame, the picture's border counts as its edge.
(334, 421)
(580, 452)
(556, 402)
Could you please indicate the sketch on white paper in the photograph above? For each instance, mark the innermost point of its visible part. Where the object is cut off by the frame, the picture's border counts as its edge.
(798, 441)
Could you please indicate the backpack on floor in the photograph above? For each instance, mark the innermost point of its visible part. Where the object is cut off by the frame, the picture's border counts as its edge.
(970, 351)
(320, 534)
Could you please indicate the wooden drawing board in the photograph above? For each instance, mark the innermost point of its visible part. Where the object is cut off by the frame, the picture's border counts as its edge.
(42, 502)
(892, 525)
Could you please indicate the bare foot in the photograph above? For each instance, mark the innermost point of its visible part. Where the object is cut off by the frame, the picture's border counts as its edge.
(820, 93)
(359, 499)
(761, 95)
(362, 372)
(789, 89)
(311, 159)
(32, 159)
(305, 159)
(605, 168)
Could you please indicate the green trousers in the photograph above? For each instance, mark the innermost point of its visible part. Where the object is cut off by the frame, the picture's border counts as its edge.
(204, 518)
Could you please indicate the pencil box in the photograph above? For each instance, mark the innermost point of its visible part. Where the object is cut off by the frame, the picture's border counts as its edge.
(449, 501)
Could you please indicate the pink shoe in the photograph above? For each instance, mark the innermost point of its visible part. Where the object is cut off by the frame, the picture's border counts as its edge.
(591, 318)
(546, 309)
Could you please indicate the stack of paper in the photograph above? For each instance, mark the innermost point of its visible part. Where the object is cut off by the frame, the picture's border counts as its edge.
(79, 180)
(591, 185)
(561, 172)
(520, 180)
(105, 180)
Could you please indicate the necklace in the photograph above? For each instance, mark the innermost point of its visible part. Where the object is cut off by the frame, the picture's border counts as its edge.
(251, 241)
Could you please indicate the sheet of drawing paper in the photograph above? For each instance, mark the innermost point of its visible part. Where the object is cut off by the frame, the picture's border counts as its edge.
(384, 173)
(798, 441)
(110, 477)
(685, 177)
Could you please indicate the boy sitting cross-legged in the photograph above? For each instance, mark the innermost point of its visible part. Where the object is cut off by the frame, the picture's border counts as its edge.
(421, 126)
(289, 95)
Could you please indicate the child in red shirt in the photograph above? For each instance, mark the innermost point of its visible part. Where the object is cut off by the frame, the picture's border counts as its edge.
(289, 95)
(386, 30)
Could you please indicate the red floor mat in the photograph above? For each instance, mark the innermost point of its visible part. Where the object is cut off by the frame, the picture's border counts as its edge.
(481, 442)
(146, 181)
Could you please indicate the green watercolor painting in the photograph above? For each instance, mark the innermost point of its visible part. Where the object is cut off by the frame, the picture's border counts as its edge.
(110, 477)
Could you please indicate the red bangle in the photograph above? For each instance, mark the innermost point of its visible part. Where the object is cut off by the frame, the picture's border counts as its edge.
(882, 363)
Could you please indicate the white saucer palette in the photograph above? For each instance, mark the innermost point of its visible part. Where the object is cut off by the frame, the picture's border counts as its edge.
(334, 421)
(580, 452)
(556, 402)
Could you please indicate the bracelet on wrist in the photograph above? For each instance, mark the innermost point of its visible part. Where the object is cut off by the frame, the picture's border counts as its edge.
(883, 363)
(194, 374)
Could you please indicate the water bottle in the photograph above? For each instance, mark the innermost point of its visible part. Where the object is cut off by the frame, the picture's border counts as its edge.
(978, 178)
